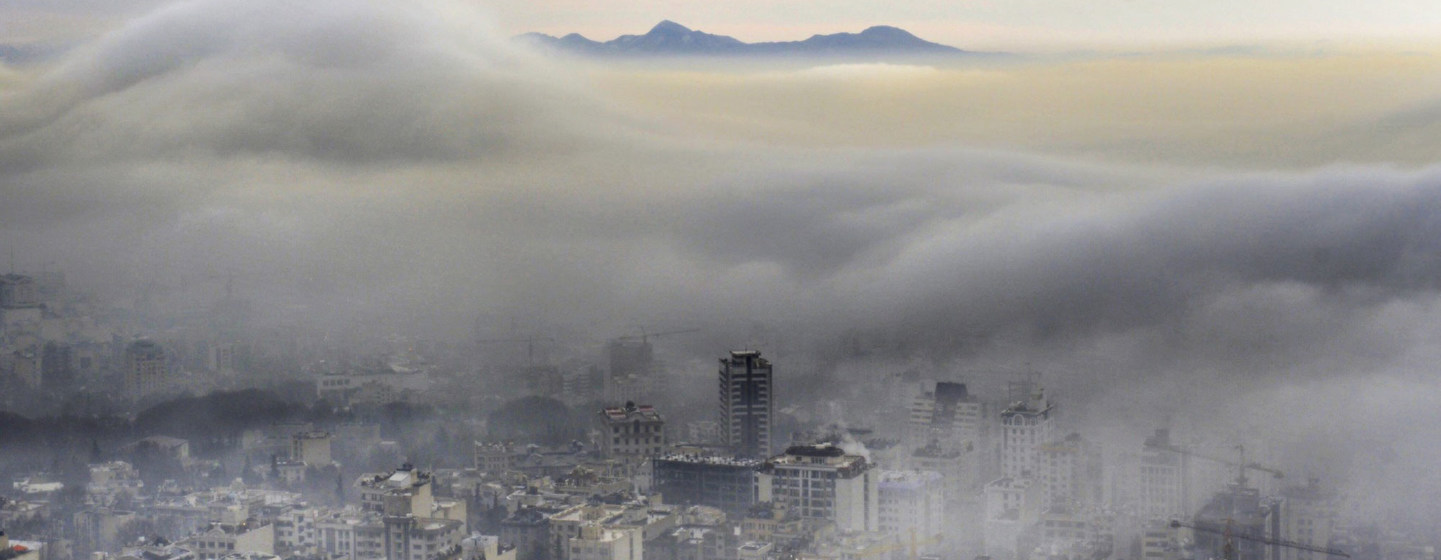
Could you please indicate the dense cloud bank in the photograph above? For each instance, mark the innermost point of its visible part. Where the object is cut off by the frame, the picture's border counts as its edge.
(399, 162)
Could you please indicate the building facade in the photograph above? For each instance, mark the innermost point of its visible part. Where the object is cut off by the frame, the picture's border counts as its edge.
(146, 368)
(1025, 426)
(747, 403)
(720, 482)
(822, 482)
(631, 430)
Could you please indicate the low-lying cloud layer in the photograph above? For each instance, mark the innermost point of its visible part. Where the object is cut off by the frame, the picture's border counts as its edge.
(399, 162)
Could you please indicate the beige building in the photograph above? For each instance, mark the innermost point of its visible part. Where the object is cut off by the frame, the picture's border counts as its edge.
(222, 539)
(311, 448)
(597, 542)
(822, 482)
(631, 430)
(494, 459)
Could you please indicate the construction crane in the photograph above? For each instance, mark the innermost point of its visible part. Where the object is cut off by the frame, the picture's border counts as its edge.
(229, 277)
(1241, 465)
(529, 344)
(645, 337)
(1229, 551)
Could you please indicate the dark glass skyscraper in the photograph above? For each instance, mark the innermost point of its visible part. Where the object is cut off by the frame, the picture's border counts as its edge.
(746, 403)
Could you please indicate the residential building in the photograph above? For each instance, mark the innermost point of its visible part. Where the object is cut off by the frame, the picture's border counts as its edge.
(822, 482)
(18, 290)
(947, 415)
(959, 468)
(1071, 474)
(1163, 493)
(311, 448)
(597, 542)
(1308, 515)
(221, 539)
(1025, 426)
(912, 504)
(1012, 504)
(494, 459)
(146, 368)
(631, 430)
(405, 491)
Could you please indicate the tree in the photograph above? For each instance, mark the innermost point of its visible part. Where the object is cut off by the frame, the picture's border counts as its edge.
(536, 419)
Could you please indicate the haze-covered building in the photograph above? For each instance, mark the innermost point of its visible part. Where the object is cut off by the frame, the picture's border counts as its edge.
(947, 415)
(822, 482)
(631, 430)
(146, 368)
(747, 405)
(725, 483)
(912, 503)
(1163, 491)
(1025, 426)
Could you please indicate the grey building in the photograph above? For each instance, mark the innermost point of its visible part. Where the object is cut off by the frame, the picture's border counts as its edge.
(723, 483)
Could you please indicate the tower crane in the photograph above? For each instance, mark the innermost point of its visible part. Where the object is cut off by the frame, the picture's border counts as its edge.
(645, 336)
(529, 344)
(1229, 551)
(1241, 465)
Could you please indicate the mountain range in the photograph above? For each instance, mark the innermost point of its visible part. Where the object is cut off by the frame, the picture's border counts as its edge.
(669, 38)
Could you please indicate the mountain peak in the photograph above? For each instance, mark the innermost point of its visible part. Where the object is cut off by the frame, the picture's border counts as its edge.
(887, 31)
(668, 26)
(669, 38)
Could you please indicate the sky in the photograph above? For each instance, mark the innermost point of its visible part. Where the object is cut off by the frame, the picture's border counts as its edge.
(1024, 25)
(1247, 239)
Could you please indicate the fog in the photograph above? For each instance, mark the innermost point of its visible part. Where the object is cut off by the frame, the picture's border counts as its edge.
(1239, 247)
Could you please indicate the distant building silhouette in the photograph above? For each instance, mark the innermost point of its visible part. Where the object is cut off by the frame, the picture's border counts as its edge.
(747, 403)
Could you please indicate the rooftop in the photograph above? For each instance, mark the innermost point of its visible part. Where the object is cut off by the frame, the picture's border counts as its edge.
(710, 460)
(631, 411)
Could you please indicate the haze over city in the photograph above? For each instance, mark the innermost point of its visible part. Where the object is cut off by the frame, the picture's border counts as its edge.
(435, 236)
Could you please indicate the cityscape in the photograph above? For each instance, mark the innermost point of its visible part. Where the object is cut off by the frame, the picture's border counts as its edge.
(515, 280)
(516, 448)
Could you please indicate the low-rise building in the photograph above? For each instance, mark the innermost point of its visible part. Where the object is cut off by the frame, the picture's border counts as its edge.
(631, 430)
(721, 482)
(221, 539)
(822, 482)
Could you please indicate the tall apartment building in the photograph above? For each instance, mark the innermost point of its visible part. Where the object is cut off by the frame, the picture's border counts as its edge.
(1071, 474)
(1025, 426)
(948, 416)
(1163, 491)
(912, 504)
(1308, 515)
(145, 368)
(747, 403)
(632, 374)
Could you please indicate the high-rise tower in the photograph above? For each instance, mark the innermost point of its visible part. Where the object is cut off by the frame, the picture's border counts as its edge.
(746, 403)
